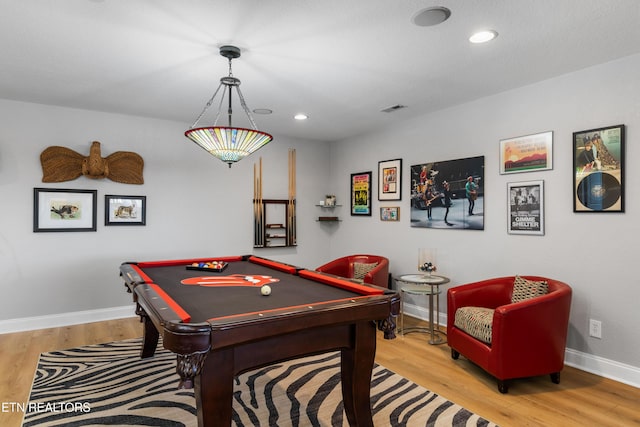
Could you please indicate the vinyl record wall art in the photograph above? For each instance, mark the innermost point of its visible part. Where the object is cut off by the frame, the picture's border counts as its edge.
(598, 164)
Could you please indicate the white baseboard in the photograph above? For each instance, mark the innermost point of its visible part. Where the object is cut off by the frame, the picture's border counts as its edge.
(607, 368)
(600, 366)
(65, 319)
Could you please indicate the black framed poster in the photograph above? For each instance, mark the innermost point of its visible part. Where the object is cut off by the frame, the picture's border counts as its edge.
(361, 193)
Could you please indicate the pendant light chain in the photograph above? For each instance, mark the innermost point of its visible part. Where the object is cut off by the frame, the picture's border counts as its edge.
(246, 109)
(206, 107)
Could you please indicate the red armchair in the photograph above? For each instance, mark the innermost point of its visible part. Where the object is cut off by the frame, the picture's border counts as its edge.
(354, 266)
(528, 337)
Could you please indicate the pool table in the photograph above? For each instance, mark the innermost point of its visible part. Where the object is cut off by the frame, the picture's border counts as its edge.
(219, 324)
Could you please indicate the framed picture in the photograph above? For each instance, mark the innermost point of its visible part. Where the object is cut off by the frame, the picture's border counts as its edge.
(526, 207)
(64, 210)
(390, 213)
(527, 153)
(448, 194)
(361, 193)
(390, 180)
(125, 210)
(598, 167)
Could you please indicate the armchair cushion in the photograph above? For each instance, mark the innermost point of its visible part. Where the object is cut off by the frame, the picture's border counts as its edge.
(476, 321)
(524, 289)
(361, 269)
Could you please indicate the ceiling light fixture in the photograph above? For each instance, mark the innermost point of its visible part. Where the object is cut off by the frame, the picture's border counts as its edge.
(227, 143)
(483, 36)
(301, 116)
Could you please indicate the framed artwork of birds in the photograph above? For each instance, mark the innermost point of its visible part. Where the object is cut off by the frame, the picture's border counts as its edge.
(64, 210)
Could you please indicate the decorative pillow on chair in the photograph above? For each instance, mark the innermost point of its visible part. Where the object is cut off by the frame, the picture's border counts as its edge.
(524, 289)
(360, 269)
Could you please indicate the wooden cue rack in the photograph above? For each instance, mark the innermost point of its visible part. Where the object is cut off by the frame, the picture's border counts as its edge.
(274, 219)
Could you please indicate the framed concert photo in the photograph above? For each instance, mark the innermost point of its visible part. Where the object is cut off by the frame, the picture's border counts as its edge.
(448, 194)
(125, 210)
(64, 210)
(390, 180)
(526, 207)
(598, 169)
(361, 194)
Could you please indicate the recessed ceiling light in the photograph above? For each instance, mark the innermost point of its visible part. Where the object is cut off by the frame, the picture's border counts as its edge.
(301, 116)
(262, 111)
(431, 16)
(483, 36)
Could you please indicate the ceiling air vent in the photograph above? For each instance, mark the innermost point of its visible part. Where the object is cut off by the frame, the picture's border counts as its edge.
(393, 108)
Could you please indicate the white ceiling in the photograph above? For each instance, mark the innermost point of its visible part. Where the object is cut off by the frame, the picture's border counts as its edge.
(339, 61)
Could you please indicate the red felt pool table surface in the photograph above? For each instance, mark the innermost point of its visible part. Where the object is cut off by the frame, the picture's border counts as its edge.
(219, 324)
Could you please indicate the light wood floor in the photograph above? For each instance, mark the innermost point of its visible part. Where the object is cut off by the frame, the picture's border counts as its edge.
(581, 399)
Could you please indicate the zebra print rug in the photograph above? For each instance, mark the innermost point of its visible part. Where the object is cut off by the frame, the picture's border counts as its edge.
(108, 384)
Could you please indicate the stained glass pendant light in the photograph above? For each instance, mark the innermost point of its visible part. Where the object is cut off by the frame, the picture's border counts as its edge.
(227, 143)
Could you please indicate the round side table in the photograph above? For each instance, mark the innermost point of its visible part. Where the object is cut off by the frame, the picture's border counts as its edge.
(425, 285)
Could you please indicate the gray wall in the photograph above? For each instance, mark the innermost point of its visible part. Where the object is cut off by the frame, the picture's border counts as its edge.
(595, 253)
(197, 206)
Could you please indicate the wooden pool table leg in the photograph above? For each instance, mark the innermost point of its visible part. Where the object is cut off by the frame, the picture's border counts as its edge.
(357, 365)
(150, 334)
(214, 389)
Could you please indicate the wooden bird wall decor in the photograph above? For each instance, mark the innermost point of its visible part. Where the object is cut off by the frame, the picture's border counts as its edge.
(63, 164)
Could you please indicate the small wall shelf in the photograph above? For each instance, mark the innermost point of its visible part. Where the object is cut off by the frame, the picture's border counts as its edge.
(328, 218)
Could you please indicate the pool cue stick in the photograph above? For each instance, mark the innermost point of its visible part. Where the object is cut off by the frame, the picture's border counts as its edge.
(253, 202)
(288, 219)
(295, 225)
(292, 196)
(258, 213)
(255, 206)
(262, 242)
(289, 212)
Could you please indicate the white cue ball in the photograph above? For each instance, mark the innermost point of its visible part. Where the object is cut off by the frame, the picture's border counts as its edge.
(265, 290)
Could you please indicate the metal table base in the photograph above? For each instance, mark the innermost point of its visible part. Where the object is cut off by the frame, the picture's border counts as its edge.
(422, 285)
